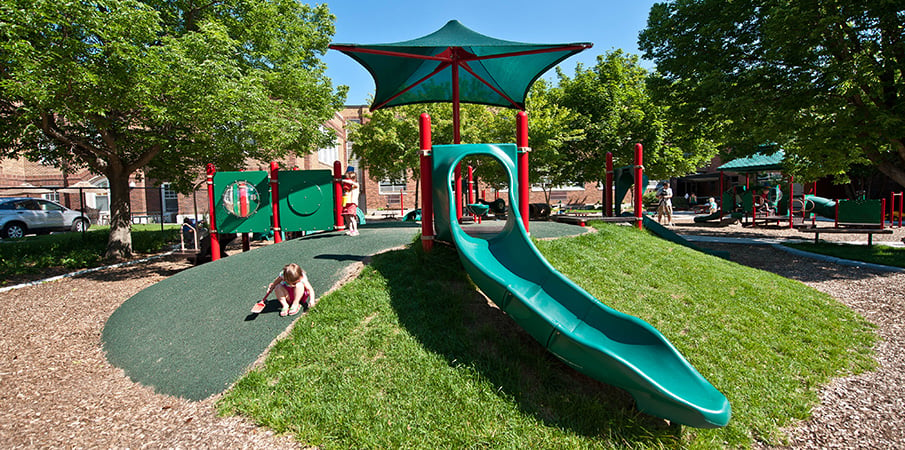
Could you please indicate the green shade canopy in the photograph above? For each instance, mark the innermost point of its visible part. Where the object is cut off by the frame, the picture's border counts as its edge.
(456, 64)
(755, 163)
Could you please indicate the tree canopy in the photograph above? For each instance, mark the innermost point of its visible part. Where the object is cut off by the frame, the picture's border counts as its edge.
(161, 87)
(387, 144)
(616, 110)
(822, 79)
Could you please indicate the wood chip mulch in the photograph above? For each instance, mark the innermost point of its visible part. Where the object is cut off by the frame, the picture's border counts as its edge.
(58, 390)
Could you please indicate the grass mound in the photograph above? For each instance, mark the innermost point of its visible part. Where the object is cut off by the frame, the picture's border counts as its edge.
(410, 354)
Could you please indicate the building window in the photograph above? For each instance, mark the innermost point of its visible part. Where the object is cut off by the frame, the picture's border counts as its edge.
(328, 155)
(389, 187)
(53, 196)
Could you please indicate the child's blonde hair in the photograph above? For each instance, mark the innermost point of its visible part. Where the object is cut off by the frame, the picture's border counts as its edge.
(292, 273)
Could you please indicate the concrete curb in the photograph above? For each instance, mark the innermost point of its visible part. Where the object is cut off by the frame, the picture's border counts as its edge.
(778, 244)
(82, 272)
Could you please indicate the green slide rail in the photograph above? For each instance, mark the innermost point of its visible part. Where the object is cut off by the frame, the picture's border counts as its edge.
(603, 343)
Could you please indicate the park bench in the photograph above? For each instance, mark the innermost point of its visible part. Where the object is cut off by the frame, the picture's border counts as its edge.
(870, 232)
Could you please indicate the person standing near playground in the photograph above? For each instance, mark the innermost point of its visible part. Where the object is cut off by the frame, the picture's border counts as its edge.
(665, 206)
(350, 203)
(293, 290)
(711, 206)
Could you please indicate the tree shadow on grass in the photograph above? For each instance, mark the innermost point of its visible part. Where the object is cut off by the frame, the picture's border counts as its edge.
(438, 305)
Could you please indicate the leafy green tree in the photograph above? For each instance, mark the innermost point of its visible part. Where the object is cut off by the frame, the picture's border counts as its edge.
(388, 142)
(616, 111)
(823, 79)
(160, 88)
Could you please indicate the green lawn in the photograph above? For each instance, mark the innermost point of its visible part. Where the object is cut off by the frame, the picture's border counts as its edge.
(73, 251)
(876, 254)
(409, 354)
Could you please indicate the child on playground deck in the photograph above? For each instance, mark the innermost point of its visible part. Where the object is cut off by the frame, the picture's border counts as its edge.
(292, 289)
(350, 205)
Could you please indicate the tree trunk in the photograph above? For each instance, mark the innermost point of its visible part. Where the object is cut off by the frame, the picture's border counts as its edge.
(119, 245)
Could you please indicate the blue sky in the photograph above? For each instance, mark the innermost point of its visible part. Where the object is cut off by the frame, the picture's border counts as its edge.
(608, 24)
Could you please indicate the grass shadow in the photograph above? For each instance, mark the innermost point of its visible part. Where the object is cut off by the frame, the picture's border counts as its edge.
(451, 318)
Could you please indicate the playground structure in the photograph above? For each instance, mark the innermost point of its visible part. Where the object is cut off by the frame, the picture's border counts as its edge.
(278, 201)
(599, 341)
(744, 201)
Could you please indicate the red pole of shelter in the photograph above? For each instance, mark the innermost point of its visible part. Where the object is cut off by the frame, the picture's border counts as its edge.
(608, 187)
(215, 239)
(470, 184)
(427, 199)
(338, 196)
(402, 203)
(639, 190)
(275, 202)
(521, 139)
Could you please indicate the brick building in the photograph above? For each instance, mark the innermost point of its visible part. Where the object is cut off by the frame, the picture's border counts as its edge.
(150, 199)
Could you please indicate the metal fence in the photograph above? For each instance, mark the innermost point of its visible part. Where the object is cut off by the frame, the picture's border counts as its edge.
(149, 204)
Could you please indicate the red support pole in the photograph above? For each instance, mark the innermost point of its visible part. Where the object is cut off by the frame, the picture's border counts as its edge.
(215, 239)
(792, 197)
(608, 187)
(338, 196)
(458, 192)
(521, 139)
(470, 185)
(882, 213)
(427, 199)
(901, 197)
(246, 245)
(836, 215)
(275, 203)
(639, 190)
(402, 203)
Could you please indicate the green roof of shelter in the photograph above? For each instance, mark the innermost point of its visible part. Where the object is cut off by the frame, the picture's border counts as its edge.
(755, 163)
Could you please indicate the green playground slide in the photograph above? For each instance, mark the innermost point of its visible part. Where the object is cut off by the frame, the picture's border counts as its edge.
(591, 337)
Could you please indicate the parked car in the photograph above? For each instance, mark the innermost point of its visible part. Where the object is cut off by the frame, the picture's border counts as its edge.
(23, 215)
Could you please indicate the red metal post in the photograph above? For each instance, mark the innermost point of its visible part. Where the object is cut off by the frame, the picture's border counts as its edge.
(338, 196)
(427, 199)
(275, 203)
(882, 213)
(892, 208)
(639, 189)
(402, 203)
(792, 197)
(836, 215)
(608, 187)
(521, 139)
(470, 184)
(215, 239)
(901, 197)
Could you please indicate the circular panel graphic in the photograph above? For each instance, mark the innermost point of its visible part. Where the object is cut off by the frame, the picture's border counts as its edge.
(307, 200)
(241, 199)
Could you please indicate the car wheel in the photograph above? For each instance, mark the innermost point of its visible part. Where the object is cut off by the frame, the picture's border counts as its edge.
(13, 230)
(79, 225)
